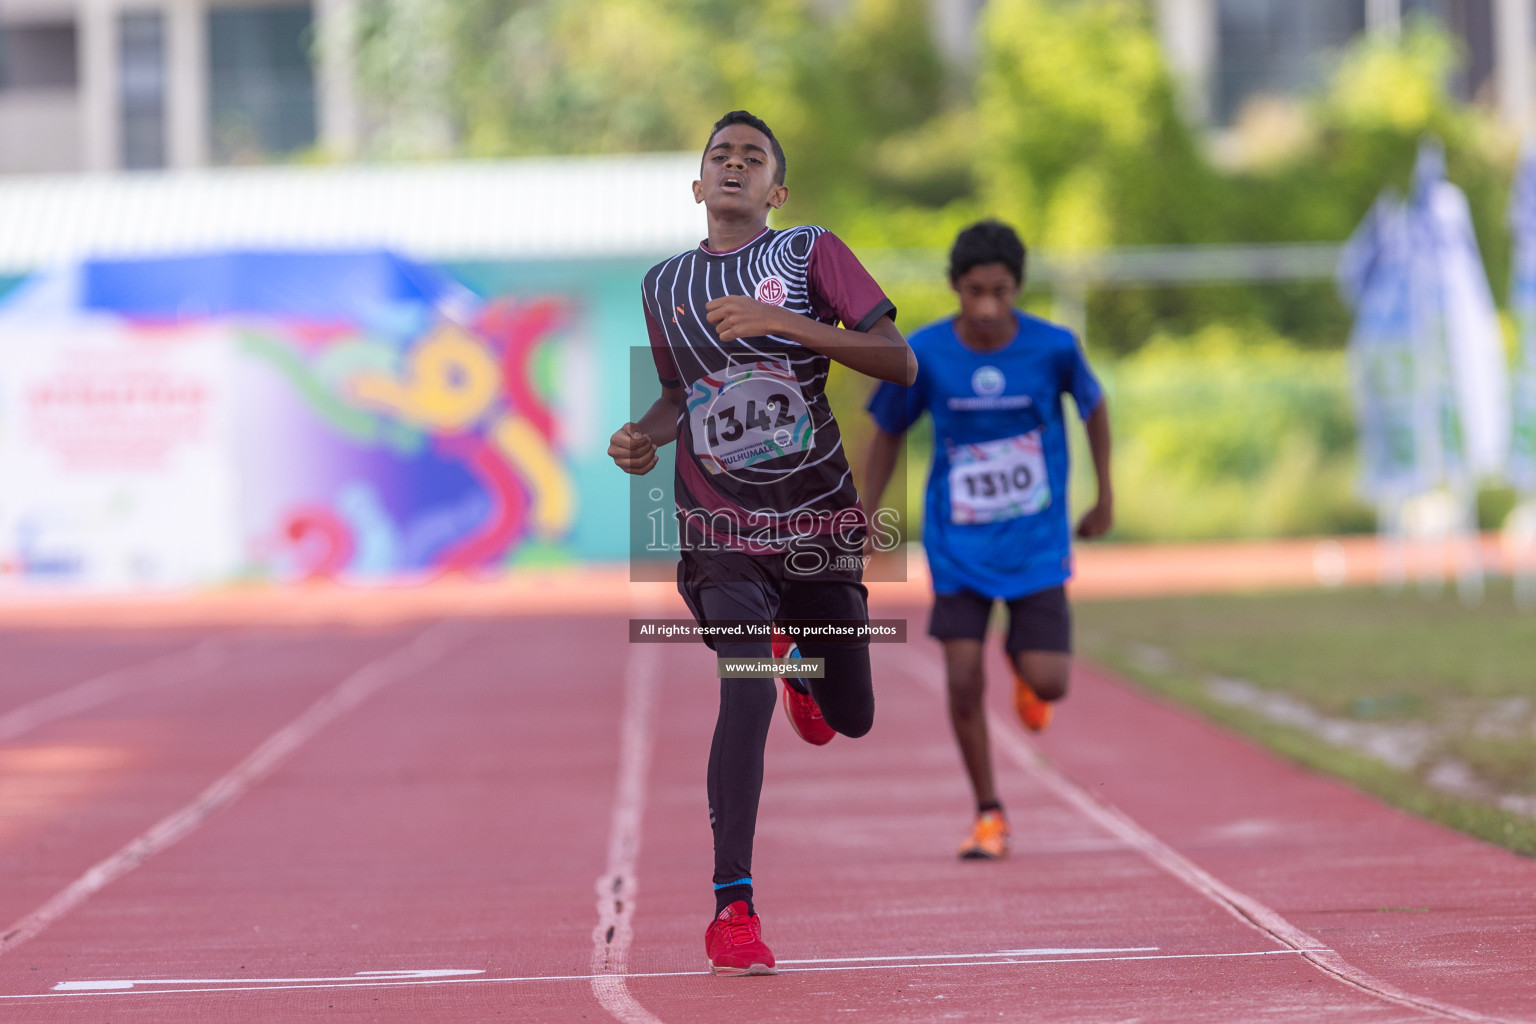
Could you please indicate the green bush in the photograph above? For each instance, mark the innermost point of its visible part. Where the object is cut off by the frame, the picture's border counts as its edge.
(1221, 435)
(1229, 434)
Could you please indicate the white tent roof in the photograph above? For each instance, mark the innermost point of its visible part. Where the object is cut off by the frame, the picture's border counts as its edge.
(555, 207)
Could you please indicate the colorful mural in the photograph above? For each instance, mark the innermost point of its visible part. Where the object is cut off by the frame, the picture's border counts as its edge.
(422, 453)
(368, 420)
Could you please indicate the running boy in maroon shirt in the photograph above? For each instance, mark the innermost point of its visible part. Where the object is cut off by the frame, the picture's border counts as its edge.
(743, 329)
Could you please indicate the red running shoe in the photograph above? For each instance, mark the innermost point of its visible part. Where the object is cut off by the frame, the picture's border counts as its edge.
(801, 708)
(734, 943)
(781, 645)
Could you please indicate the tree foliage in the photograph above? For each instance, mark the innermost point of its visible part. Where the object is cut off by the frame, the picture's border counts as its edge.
(516, 77)
(1068, 125)
(1079, 138)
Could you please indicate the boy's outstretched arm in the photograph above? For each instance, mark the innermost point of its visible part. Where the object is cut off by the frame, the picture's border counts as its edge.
(879, 466)
(1096, 522)
(633, 446)
(881, 352)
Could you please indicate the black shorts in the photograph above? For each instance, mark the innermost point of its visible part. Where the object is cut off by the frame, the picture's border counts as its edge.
(761, 589)
(1041, 621)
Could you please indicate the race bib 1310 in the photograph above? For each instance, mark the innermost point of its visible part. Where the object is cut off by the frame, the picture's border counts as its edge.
(997, 480)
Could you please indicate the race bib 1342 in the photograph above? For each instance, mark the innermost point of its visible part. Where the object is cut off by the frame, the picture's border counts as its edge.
(746, 415)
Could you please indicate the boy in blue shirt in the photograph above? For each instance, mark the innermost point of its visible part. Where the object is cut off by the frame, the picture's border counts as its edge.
(995, 523)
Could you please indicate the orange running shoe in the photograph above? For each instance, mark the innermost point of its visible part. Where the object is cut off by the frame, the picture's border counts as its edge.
(801, 709)
(989, 840)
(1033, 712)
(734, 943)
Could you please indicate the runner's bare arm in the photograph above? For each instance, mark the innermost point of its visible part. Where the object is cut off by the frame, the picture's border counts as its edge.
(879, 466)
(881, 352)
(633, 446)
(1096, 522)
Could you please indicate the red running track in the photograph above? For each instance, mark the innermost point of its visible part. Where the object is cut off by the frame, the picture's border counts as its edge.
(504, 820)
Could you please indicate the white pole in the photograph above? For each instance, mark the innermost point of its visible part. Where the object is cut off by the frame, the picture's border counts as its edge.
(1069, 307)
(954, 27)
(1384, 17)
(100, 117)
(336, 76)
(1469, 549)
(1512, 35)
(1392, 567)
(1187, 29)
(186, 99)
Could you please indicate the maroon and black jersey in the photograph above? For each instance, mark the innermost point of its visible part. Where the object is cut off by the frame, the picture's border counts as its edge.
(759, 455)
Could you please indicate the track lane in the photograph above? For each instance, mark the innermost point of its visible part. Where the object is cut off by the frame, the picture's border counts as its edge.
(1420, 907)
(457, 820)
(80, 787)
(854, 858)
(37, 665)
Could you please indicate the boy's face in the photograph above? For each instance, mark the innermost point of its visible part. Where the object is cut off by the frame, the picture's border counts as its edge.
(987, 294)
(737, 175)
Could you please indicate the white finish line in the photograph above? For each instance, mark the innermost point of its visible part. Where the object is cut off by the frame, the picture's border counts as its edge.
(461, 976)
(117, 986)
(962, 956)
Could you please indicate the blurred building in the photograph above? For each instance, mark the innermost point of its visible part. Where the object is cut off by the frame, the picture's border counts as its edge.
(1227, 52)
(103, 85)
(100, 85)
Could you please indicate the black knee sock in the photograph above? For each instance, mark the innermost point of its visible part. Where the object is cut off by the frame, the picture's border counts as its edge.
(726, 895)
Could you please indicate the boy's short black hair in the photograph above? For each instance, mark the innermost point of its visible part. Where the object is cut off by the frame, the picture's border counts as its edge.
(751, 121)
(988, 241)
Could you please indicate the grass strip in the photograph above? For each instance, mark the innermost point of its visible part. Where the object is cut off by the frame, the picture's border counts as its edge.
(1365, 654)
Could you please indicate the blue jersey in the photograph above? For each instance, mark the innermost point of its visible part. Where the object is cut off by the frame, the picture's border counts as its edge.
(996, 519)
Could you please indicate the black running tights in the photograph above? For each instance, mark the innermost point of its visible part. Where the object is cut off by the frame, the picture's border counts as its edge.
(747, 705)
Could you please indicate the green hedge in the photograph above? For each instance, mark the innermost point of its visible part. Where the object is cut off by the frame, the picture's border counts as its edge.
(1219, 435)
(1225, 434)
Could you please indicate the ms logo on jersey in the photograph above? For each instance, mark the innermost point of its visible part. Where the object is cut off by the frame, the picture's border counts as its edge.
(988, 381)
(771, 291)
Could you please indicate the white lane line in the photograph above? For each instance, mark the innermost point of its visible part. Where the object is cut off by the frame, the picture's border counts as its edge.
(617, 887)
(1245, 908)
(1005, 961)
(119, 985)
(428, 646)
(970, 956)
(119, 682)
(985, 960)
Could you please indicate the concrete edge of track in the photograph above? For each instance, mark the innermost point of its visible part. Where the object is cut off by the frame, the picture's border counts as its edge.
(1104, 571)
